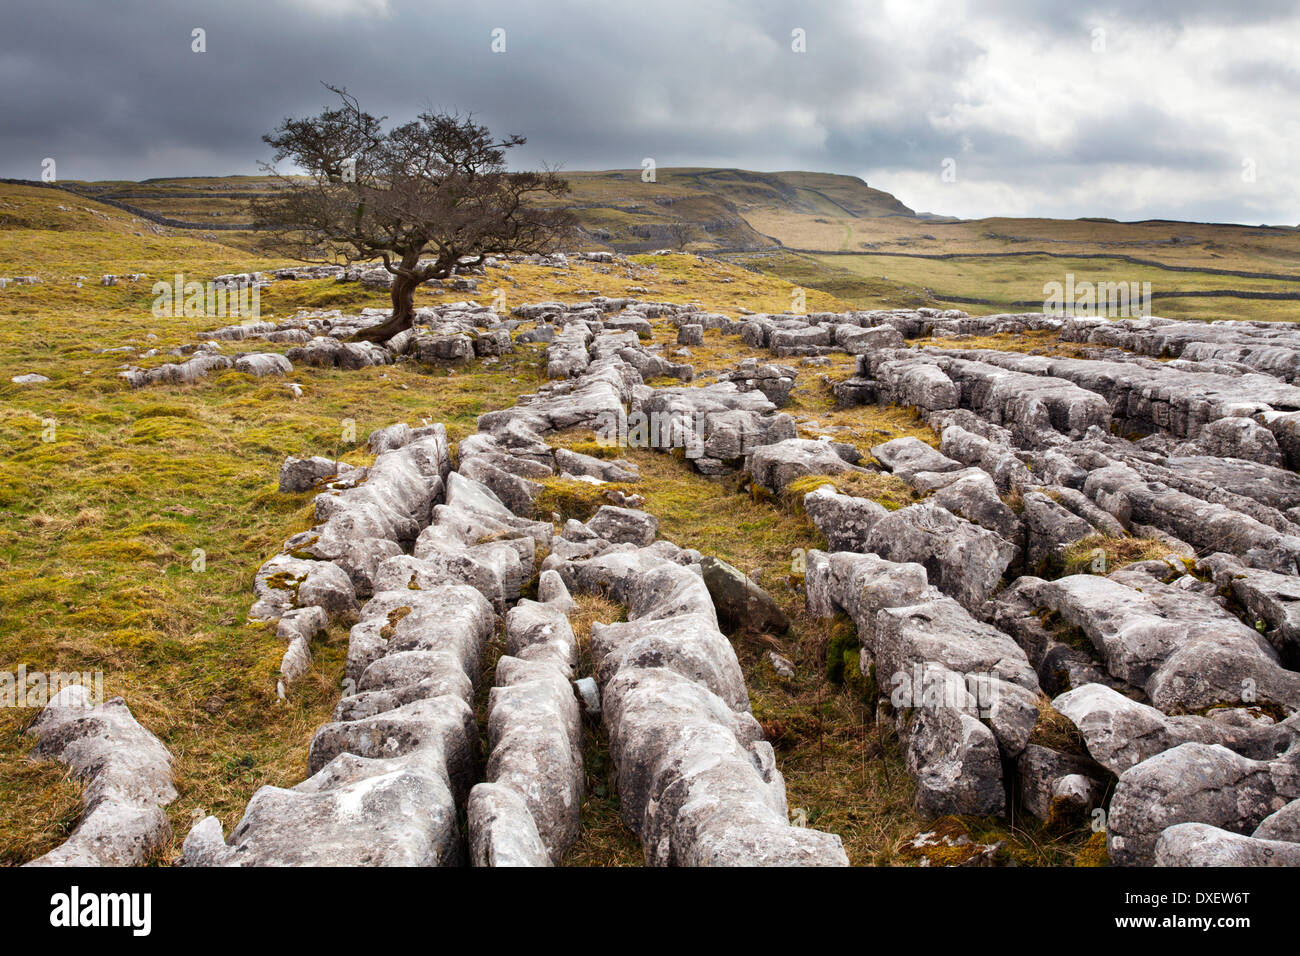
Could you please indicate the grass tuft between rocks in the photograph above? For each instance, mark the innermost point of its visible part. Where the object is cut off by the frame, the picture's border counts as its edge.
(1101, 554)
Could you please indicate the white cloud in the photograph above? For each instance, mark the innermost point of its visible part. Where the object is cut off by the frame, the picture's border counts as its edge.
(1147, 127)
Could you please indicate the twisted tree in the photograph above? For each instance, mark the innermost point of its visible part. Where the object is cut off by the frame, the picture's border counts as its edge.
(427, 197)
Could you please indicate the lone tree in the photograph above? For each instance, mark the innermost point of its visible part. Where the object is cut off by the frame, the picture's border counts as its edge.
(681, 234)
(421, 196)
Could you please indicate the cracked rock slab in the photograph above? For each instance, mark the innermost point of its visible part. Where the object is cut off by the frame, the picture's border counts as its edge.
(128, 780)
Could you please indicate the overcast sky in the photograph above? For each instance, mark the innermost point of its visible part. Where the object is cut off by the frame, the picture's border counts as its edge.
(1138, 109)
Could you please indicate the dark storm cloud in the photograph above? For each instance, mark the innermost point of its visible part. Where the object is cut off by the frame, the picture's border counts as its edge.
(886, 90)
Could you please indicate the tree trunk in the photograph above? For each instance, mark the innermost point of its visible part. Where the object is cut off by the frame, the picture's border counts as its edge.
(405, 282)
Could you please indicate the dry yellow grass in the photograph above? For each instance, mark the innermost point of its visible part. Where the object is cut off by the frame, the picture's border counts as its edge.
(1032, 343)
(865, 426)
(605, 840)
(881, 487)
(1101, 554)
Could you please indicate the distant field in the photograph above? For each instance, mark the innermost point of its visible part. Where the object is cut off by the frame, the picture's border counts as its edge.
(1179, 243)
(1006, 262)
(1018, 283)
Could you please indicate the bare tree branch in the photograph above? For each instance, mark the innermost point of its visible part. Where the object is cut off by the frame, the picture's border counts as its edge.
(434, 187)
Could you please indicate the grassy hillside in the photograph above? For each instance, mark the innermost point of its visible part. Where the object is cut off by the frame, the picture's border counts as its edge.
(822, 231)
(615, 207)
